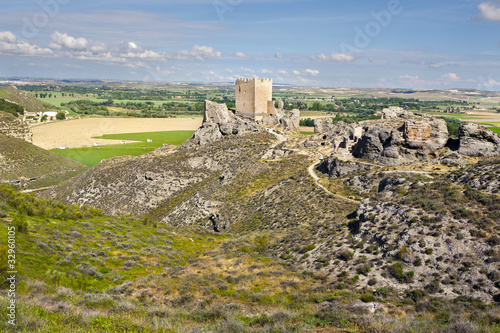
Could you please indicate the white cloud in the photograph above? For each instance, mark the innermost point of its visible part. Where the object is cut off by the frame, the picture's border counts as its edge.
(60, 41)
(312, 72)
(10, 45)
(307, 72)
(247, 70)
(198, 52)
(451, 77)
(409, 77)
(240, 55)
(335, 57)
(489, 11)
(279, 55)
(7, 37)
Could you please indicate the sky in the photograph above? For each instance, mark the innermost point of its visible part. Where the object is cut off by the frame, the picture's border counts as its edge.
(406, 44)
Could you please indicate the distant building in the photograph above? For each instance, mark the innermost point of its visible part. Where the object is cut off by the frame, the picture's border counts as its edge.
(149, 140)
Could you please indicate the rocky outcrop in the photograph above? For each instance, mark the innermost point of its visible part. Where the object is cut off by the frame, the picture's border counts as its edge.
(15, 127)
(477, 141)
(394, 112)
(336, 167)
(218, 121)
(393, 144)
(323, 125)
(291, 121)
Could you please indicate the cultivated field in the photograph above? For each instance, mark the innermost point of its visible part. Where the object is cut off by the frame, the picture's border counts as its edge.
(80, 132)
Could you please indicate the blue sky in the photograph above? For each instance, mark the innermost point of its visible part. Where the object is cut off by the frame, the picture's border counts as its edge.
(373, 44)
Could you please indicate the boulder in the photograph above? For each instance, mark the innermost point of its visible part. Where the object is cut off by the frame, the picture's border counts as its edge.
(428, 134)
(336, 167)
(393, 144)
(291, 121)
(394, 112)
(477, 141)
(323, 125)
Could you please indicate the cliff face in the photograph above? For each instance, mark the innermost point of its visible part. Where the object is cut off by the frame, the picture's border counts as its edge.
(15, 127)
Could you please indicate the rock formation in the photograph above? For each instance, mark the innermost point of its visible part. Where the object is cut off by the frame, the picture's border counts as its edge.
(336, 167)
(393, 144)
(323, 125)
(291, 121)
(218, 121)
(15, 127)
(394, 112)
(477, 141)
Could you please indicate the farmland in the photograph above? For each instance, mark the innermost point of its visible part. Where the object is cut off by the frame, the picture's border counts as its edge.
(91, 156)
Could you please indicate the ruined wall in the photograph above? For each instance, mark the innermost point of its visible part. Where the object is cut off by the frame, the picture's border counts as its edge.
(252, 96)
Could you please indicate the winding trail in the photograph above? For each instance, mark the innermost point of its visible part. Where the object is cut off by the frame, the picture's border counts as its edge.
(281, 139)
(313, 174)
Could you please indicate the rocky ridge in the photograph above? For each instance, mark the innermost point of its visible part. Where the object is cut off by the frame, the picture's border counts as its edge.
(15, 127)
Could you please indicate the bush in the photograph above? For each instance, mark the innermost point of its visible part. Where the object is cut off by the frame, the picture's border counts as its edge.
(21, 223)
(346, 255)
(61, 115)
(367, 298)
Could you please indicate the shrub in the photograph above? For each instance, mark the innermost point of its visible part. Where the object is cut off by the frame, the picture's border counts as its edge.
(261, 243)
(367, 298)
(346, 255)
(364, 269)
(20, 222)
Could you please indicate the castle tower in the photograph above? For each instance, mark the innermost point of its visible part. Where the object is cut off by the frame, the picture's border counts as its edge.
(254, 98)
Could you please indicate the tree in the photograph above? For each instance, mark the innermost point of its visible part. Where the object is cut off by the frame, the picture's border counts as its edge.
(61, 115)
(44, 118)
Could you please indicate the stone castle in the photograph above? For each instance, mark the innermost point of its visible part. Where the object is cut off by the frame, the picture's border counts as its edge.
(254, 98)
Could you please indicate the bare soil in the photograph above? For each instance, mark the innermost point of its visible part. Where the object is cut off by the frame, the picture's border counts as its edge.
(78, 133)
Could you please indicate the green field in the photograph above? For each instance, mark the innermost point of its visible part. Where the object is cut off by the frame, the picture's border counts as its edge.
(94, 155)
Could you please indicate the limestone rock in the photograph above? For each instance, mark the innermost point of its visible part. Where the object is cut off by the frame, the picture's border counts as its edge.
(323, 125)
(477, 141)
(427, 134)
(394, 112)
(392, 144)
(15, 127)
(336, 167)
(291, 121)
(218, 121)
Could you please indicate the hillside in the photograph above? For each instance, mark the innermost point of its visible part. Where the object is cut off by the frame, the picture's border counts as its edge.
(26, 165)
(24, 99)
(398, 217)
(81, 271)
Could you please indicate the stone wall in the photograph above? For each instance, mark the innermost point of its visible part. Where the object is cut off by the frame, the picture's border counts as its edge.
(252, 97)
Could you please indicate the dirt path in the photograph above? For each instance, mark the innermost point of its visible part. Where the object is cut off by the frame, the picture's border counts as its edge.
(79, 132)
(313, 174)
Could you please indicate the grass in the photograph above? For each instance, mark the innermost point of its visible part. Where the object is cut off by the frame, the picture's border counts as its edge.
(94, 155)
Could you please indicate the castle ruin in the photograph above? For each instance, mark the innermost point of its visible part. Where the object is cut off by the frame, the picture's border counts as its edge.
(254, 98)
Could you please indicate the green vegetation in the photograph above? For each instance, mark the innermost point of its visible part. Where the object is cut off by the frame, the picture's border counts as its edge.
(81, 271)
(38, 167)
(453, 125)
(94, 155)
(11, 108)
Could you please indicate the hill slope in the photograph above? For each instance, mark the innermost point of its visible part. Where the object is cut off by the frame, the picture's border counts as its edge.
(30, 103)
(24, 164)
(419, 233)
